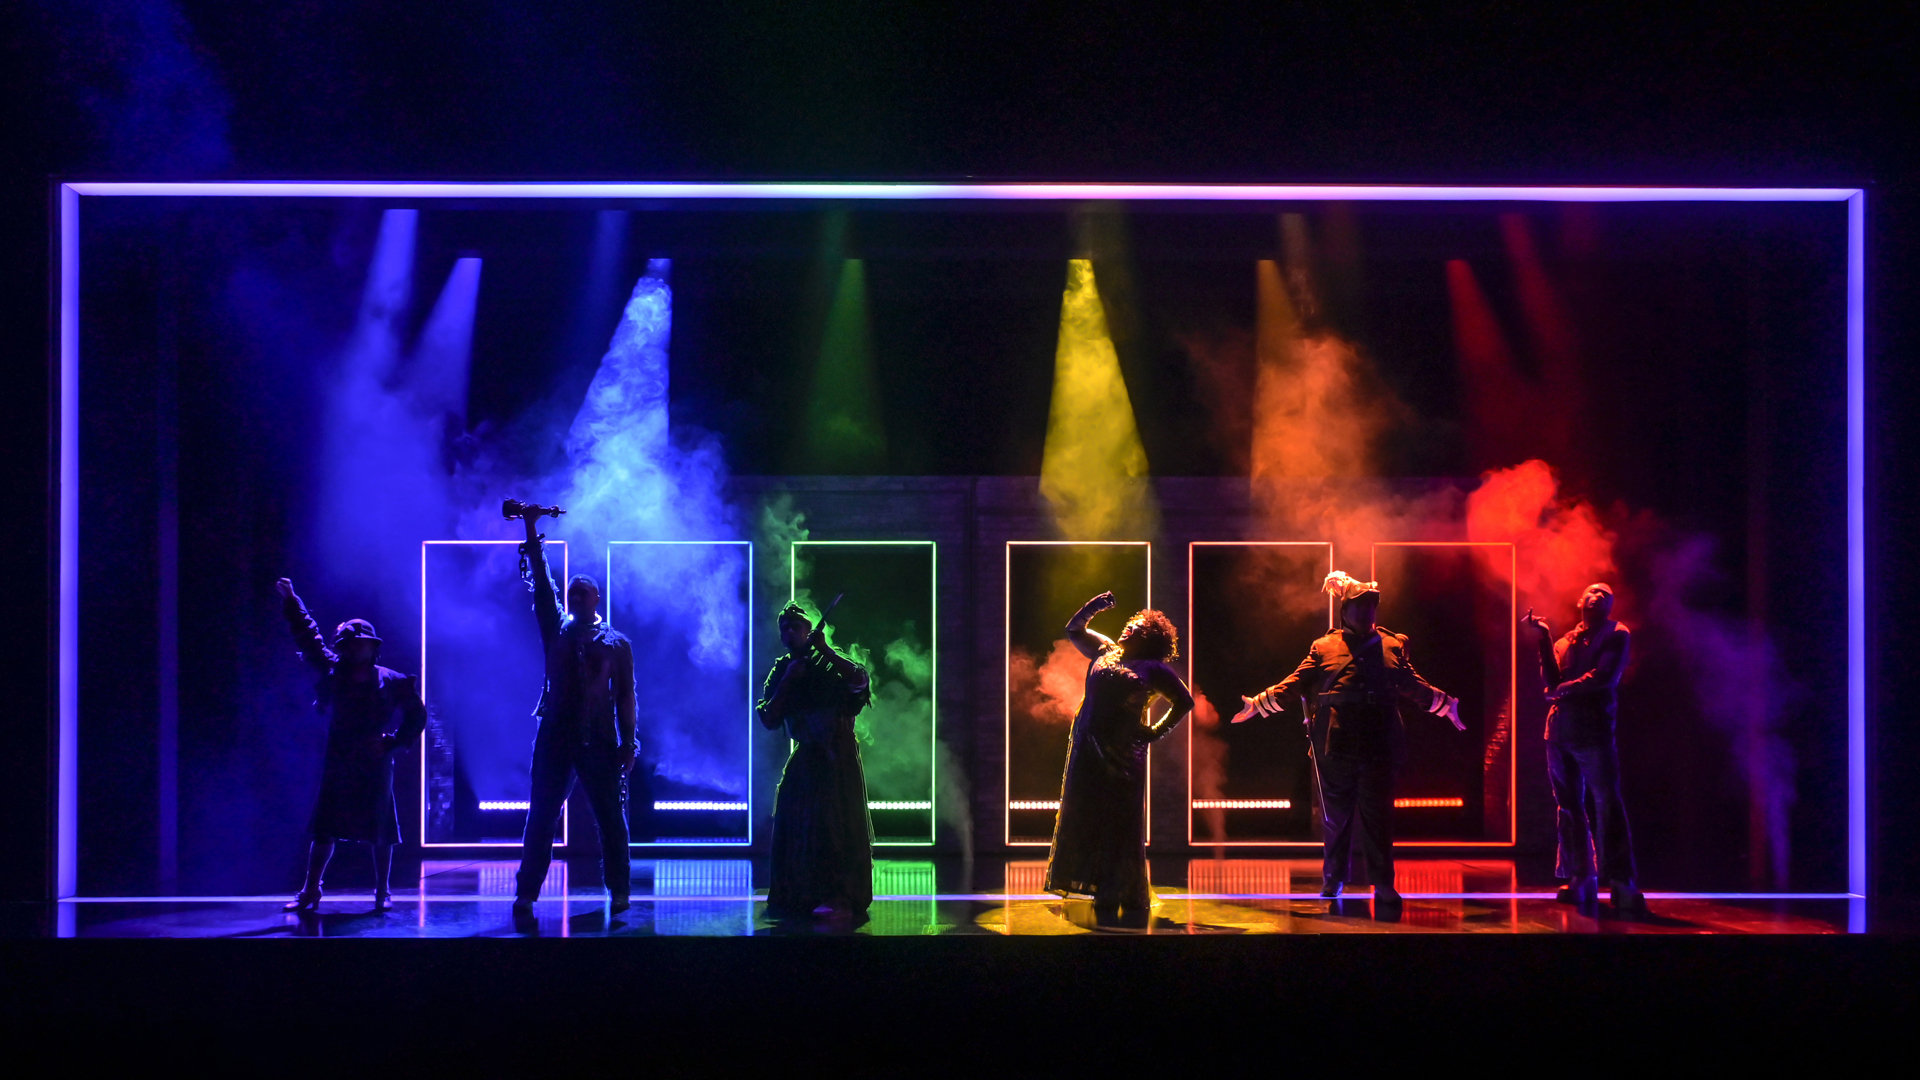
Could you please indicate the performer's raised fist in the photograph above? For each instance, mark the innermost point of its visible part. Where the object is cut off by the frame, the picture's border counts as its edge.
(284, 587)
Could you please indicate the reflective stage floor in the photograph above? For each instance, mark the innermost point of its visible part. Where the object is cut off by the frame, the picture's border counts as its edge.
(717, 898)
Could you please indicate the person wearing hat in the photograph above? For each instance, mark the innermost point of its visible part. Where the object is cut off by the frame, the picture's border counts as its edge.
(360, 700)
(1580, 674)
(822, 852)
(1352, 682)
(587, 712)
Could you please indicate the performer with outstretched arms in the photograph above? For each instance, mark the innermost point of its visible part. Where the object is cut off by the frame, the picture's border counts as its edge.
(586, 716)
(360, 700)
(1099, 838)
(1580, 673)
(1352, 681)
(822, 835)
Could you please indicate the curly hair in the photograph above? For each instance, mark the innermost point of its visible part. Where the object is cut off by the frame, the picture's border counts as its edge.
(1150, 634)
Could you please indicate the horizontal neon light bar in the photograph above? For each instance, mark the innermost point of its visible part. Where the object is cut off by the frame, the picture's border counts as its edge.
(910, 804)
(910, 192)
(496, 804)
(699, 806)
(1427, 804)
(1034, 804)
(1243, 804)
(992, 898)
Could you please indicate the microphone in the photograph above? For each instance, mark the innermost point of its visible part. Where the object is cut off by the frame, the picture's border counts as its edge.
(514, 508)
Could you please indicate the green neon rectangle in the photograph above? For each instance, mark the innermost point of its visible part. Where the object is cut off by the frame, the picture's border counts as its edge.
(933, 685)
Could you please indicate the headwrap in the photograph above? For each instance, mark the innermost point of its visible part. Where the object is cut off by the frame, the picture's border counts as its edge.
(1347, 588)
(794, 611)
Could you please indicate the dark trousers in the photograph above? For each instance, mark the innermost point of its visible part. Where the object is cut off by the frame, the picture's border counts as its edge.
(555, 764)
(1363, 784)
(1578, 772)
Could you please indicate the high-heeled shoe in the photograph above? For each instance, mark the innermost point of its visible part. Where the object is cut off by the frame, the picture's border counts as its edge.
(383, 901)
(303, 901)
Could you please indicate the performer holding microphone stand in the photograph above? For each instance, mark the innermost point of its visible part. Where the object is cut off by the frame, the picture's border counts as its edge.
(586, 713)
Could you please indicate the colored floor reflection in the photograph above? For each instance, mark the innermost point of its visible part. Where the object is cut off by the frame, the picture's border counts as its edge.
(717, 898)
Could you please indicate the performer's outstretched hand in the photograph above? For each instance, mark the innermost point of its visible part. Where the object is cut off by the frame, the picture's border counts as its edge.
(1538, 623)
(1246, 712)
(1452, 712)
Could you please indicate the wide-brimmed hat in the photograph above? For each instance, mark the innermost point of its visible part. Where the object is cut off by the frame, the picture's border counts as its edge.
(354, 630)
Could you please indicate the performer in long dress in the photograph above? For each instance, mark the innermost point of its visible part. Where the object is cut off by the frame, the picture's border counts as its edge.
(822, 835)
(1099, 838)
(1352, 681)
(371, 711)
(1580, 674)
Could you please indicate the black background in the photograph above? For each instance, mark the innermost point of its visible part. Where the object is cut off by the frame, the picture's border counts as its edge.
(1481, 93)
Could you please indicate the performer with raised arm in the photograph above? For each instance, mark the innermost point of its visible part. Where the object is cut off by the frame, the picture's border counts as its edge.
(1580, 673)
(822, 835)
(586, 716)
(361, 701)
(1099, 838)
(1352, 681)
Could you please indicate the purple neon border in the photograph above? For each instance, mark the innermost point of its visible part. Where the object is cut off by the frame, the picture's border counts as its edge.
(67, 809)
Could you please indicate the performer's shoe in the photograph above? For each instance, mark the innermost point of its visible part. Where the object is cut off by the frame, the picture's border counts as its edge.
(1627, 900)
(618, 904)
(383, 901)
(523, 907)
(1580, 892)
(304, 901)
(1330, 889)
(1386, 894)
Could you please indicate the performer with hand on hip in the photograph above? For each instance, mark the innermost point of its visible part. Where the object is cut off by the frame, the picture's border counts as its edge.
(1099, 838)
(360, 700)
(1352, 681)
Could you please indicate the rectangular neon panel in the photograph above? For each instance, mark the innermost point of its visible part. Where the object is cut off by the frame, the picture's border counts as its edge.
(1046, 582)
(481, 669)
(889, 611)
(1254, 607)
(686, 605)
(1457, 604)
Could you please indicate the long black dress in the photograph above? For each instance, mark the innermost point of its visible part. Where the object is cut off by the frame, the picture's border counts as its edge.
(1099, 838)
(822, 835)
(356, 782)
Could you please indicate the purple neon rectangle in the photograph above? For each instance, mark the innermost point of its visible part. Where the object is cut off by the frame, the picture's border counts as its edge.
(66, 811)
(1190, 192)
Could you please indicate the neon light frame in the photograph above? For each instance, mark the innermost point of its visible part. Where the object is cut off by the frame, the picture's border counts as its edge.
(566, 809)
(748, 544)
(1193, 650)
(1513, 683)
(67, 637)
(1006, 732)
(933, 683)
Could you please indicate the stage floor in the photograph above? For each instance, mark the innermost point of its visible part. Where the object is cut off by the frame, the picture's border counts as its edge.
(716, 898)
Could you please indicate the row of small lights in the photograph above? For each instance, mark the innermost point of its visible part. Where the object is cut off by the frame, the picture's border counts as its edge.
(494, 804)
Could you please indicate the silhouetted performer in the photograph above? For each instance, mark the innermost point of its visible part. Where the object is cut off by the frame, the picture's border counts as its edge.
(1580, 673)
(1099, 838)
(360, 700)
(586, 716)
(822, 836)
(1352, 682)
